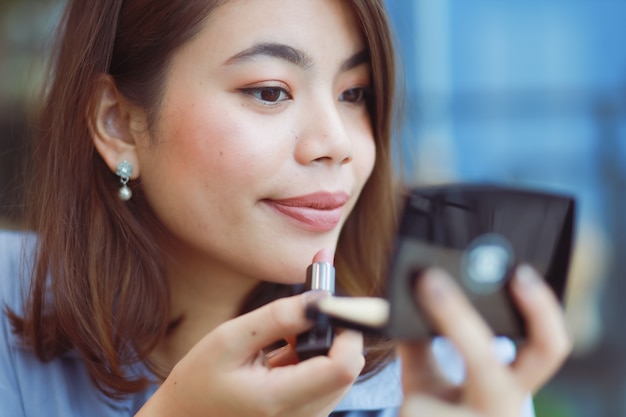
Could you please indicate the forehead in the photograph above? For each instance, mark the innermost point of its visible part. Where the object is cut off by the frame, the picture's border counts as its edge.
(310, 25)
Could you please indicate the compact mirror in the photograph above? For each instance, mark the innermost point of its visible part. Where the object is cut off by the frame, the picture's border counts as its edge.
(479, 234)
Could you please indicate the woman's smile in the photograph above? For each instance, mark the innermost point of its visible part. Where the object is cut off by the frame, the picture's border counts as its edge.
(317, 212)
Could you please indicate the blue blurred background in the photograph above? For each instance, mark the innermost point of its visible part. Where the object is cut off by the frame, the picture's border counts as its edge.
(529, 93)
(533, 93)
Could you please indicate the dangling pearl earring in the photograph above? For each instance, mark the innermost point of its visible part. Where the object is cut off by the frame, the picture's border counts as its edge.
(124, 171)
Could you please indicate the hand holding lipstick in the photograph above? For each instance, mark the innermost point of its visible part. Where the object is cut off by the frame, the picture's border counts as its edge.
(227, 374)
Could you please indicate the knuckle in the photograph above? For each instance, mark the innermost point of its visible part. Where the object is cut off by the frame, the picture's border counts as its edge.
(558, 346)
(270, 406)
(347, 371)
(220, 339)
(283, 315)
(561, 347)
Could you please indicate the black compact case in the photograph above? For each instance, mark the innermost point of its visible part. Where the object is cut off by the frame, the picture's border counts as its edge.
(479, 234)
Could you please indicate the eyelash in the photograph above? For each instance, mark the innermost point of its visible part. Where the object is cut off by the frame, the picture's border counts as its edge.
(257, 93)
(362, 95)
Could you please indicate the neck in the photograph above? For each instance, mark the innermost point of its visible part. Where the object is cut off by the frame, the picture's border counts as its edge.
(203, 295)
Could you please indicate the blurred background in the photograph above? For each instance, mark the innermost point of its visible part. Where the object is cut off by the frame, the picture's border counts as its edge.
(533, 93)
(26, 28)
(529, 93)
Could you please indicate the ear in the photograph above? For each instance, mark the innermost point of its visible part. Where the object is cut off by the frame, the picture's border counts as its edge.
(113, 126)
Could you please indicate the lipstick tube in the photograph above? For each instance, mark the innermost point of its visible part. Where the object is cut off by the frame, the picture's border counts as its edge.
(317, 341)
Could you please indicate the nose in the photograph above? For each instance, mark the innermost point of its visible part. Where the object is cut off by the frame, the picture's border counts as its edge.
(324, 135)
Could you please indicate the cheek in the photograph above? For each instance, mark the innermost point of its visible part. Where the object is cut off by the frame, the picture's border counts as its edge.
(371, 156)
(365, 155)
(212, 139)
(208, 162)
(215, 143)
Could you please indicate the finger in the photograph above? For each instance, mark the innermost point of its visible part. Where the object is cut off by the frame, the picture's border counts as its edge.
(418, 365)
(422, 405)
(548, 342)
(241, 337)
(344, 350)
(455, 318)
(322, 375)
(420, 372)
(283, 356)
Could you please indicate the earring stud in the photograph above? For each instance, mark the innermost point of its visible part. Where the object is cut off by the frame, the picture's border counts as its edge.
(124, 171)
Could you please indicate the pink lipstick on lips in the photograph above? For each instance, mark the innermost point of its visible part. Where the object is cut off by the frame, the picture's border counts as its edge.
(317, 212)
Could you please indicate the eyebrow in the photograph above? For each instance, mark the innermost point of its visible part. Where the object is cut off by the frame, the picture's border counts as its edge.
(293, 56)
(360, 58)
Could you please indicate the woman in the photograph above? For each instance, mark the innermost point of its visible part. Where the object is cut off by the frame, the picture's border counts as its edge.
(194, 157)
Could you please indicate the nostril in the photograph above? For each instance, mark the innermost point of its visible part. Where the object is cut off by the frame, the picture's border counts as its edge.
(324, 159)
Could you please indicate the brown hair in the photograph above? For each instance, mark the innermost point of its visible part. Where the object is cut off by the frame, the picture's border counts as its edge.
(365, 243)
(97, 283)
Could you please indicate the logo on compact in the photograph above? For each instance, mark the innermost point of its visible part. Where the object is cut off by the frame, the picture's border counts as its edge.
(486, 263)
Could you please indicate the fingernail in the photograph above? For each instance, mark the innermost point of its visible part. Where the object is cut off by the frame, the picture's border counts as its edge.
(526, 276)
(275, 352)
(436, 284)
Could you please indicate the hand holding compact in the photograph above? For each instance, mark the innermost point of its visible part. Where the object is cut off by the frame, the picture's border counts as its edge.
(490, 389)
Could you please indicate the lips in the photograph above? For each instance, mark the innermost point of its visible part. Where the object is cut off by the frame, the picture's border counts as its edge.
(316, 212)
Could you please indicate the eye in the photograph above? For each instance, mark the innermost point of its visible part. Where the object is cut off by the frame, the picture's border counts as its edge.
(268, 95)
(354, 95)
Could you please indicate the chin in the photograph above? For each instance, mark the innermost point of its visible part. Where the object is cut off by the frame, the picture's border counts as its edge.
(291, 274)
(287, 263)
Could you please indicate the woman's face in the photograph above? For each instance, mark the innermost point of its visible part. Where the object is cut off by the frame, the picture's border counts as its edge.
(263, 140)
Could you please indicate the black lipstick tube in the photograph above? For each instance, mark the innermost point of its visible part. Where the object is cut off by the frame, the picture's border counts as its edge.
(317, 341)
